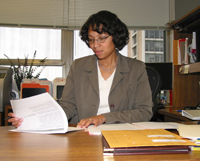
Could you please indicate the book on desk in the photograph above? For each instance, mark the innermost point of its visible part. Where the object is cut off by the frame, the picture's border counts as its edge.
(149, 141)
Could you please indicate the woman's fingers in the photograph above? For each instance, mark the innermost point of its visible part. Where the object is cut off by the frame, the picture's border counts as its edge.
(96, 120)
(15, 120)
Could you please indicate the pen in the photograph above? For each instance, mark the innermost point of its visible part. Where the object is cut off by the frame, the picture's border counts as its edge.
(7, 118)
(179, 110)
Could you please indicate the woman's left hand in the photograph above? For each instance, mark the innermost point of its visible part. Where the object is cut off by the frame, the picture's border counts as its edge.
(96, 120)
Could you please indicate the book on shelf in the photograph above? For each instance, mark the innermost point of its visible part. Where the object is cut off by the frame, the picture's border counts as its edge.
(175, 52)
(148, 141)
(193, 50)
(186, 52)
(180, 51)
(191, 114)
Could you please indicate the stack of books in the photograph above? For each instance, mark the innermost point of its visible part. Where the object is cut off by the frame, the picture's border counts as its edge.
(148, 141)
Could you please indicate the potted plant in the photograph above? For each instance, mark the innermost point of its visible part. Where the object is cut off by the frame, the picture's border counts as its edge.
(23, 71)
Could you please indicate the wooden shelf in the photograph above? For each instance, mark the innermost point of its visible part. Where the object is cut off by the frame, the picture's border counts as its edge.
(186, 78)
(188, 23)
(189, 68)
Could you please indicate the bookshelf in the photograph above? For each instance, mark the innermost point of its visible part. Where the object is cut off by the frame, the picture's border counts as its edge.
(188, 23)
(190, 68)
(186, 78)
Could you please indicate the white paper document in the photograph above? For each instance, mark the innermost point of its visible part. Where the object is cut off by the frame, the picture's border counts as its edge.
(157, 125)
(97, 130)
(41, 114)
(189, 131)
(134, 126)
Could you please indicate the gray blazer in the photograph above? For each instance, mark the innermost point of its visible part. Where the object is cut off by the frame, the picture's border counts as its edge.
(130, 97)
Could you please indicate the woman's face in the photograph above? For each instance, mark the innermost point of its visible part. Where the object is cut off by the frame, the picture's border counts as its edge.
(102, 49)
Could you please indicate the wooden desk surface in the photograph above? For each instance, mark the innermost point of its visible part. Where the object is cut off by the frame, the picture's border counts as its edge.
(171, 114)
(74, 146)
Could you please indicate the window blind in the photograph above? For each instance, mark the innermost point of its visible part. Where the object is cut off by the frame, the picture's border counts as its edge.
(71, 14)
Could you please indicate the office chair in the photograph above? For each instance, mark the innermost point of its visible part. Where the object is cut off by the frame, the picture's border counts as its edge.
(155, 82)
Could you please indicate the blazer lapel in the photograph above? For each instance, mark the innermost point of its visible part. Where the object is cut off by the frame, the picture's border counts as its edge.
(91, 70)
(122, 67)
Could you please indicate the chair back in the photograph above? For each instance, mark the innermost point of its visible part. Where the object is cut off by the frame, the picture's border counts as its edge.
(155, 82)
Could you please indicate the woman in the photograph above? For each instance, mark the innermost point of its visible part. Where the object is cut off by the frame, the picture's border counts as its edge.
(105, 87)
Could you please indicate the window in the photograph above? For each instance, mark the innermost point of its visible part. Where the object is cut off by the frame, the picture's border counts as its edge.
(158, 46)
(155, 34)
(147, 45)
(161, 33)
(20, 42)
(134, 40)
(153, 57)
(154, 46)
(17, 42)
(134, 52)
(151, 34)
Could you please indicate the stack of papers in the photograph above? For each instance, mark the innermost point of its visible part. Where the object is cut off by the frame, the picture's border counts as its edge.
(157, 125)
(134, 126)
(41, 114)
(189, 131)
(97, 130)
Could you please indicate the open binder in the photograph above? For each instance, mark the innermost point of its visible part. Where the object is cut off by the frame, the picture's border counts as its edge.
(191, 114)
(112, 145)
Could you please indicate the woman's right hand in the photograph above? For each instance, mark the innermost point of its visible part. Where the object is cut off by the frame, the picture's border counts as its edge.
(15, 120)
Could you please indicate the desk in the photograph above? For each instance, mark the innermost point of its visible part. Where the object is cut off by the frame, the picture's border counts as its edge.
(73, 146)
(170, 114)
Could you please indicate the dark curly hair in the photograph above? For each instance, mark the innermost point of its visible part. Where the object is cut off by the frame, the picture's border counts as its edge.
(106, 22)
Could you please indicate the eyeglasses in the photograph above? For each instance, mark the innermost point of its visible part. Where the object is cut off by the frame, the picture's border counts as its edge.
(99, 40)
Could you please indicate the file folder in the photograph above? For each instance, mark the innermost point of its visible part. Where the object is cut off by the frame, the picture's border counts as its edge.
(151, 141)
